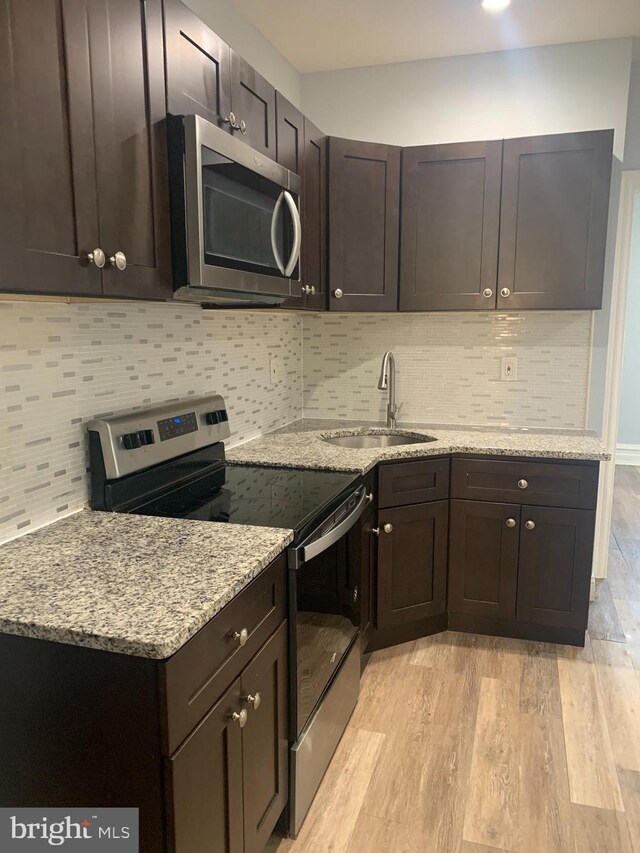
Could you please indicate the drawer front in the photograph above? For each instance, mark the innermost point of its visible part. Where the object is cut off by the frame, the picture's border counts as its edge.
(197, 675)
(535, 483)
(405, 483)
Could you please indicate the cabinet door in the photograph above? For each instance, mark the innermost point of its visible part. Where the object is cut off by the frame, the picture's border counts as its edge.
(265, 745)
(554, 574)
(131, 166)
(553, 221)
(197, 61)
(48, 200)
(314, 217)
(362, 553)
(289, 135)
(483, 558)
(364, 218)
(205, 783)
(412, 563)
(450, 226)
(253, 100)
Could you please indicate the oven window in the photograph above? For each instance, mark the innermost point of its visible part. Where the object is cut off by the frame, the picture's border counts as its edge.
(238, 218)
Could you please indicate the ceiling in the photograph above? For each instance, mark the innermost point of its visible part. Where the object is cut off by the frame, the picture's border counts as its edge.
(317, 35)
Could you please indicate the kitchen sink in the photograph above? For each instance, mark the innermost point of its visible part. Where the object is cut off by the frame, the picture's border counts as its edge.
(374, 439)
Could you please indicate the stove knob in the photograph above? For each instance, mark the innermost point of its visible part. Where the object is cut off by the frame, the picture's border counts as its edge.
(131, 440)
(212, 418)
(146, 437)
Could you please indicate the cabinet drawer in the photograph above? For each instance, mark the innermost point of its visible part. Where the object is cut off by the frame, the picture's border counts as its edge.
(199, 673)
(536, 483)
(404, 483)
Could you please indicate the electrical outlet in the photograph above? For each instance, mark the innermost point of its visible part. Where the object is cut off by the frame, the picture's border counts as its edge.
(509, 368)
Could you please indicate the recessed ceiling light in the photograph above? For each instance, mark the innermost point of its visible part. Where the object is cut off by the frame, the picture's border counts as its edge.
(495, 5)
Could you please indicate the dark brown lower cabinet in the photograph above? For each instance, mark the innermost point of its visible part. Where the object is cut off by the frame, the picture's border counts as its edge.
(554, 570)
(412, 563)
(362, 545)
(483, 558)
(228, 781)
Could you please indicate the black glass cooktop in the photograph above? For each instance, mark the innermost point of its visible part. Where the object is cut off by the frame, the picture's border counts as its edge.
(266, 497)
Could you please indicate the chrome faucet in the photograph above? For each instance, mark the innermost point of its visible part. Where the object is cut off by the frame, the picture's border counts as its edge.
(388, 380)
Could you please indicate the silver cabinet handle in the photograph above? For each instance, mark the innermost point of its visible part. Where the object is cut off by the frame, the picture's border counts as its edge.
(338, 293)
(253, 699)
(510, 522)
(487, 293)
(505, 292)
(231, 121)
(370, 497)
(240, 717)
(97, 257)
(243, 126)
(119, 261)
(530, 525)
(297, 233)
(522, 484)
(241, 637)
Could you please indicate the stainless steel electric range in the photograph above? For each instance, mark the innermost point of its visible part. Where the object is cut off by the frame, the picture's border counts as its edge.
(170, 461)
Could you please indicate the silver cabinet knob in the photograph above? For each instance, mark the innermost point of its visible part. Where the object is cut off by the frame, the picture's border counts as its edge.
(510, 522)
(313, 290)
(505, 292)
(240, 717)
(388, 528)
(338, 293)
(231, 121)
(370, 498)
(119, 261)
(253, 699)
(241, 636)
(522, 484)
(487, 293)
(530, 525)
(242, 127)
(308, 289)
(97, 257)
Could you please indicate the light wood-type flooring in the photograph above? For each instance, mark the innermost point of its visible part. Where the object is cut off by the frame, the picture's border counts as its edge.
(469, 744)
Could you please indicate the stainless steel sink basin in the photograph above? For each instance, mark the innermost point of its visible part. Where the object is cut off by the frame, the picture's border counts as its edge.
(371, 440)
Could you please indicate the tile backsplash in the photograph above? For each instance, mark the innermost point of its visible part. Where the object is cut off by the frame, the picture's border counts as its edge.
(448, 367)
(61, 365)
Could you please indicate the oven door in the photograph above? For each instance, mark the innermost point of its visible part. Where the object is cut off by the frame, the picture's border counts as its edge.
(325, 593)
(242, 210)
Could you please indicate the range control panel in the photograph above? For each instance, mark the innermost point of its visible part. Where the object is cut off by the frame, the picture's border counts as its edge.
(144, 438)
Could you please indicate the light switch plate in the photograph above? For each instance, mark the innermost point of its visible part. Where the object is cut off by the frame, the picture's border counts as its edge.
(509, 368)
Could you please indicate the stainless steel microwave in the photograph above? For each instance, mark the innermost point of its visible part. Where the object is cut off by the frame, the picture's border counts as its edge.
(235, 219)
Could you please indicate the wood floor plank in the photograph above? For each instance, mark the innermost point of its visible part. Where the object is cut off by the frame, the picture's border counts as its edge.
(381, 689)
(539, 682)
(448, 651)
(604, 623)
(592, 774)
(501, 657)
(623, 570)
(493, 796)
(630, 785)
(600, 830)
(334, 812)
(375, 835)
(620, 690)
(629, 613)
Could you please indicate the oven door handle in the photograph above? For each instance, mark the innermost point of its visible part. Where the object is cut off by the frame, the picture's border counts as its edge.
(274, 231)
(303, 552)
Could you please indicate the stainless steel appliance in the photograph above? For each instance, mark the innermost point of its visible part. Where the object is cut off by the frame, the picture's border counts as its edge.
(170, 461)
(235, 220)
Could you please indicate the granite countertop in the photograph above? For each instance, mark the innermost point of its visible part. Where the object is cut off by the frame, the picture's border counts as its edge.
(137, 585)
(301, 445)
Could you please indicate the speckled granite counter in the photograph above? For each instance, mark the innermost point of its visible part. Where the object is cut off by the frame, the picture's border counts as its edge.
(301, 445)
(132, 584)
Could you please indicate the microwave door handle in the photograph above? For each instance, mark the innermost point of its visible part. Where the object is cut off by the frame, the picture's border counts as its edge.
(297, 233)
(307, 552)
(274, 231)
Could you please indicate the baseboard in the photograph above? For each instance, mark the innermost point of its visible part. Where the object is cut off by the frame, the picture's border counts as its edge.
(628, 454)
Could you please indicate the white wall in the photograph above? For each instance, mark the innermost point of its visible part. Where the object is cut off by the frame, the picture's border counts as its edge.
(230, 24)
(629, 424)
(632, 141)
(553, 89)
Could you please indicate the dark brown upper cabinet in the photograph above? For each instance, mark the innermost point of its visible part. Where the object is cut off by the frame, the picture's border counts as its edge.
(197, 60)
(253, 101)
(553, 223)
(364, 217)
(289, 135)
(450, 226)
(83, 166)
(314, 218)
